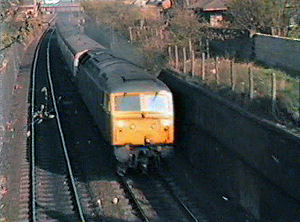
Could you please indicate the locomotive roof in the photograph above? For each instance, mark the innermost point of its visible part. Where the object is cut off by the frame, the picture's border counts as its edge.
(82, 42)
(111, 73)
(122, 76)
(75, 40)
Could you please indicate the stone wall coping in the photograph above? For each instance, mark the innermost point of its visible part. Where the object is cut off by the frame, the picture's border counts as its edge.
(276, 37)
(259, 120)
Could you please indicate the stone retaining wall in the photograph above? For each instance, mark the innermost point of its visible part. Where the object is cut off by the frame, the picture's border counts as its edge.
(277, 51)
(254, 161)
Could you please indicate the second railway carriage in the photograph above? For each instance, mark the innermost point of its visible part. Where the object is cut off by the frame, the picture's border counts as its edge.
(133, 109)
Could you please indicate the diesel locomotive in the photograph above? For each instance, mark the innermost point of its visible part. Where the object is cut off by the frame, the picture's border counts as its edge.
(133, 109)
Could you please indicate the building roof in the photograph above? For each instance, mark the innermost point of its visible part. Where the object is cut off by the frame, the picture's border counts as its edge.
(210, 5)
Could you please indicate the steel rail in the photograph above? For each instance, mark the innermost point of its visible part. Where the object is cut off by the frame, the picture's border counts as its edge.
(179, 201)
(136, 202)
(32, 172)
(61, 133)
(33, 191)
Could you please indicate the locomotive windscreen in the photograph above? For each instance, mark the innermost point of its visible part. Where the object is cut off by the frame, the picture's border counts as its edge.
(142, 103)
(127, 103)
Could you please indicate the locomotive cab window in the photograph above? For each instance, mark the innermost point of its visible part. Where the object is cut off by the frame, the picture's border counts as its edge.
(154, 103)
(127, 103)
(159, 103)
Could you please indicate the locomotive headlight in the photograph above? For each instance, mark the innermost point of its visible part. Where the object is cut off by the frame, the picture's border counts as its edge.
(132, 126)
(166, 122)
(121, 123)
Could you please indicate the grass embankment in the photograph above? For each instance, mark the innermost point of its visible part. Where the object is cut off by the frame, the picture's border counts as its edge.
(287, 88)
(158, 32)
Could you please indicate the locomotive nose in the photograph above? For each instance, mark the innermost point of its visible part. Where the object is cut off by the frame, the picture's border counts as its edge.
(147, 131)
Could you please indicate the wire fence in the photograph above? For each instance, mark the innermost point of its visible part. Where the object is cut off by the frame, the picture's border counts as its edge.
(271, 91)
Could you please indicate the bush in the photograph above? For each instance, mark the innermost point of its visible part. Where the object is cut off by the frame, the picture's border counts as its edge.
(112, 13)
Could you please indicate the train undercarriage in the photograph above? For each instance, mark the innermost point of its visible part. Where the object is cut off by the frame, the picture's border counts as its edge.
(141, 157)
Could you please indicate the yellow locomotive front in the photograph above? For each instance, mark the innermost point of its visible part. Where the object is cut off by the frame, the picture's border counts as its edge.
(142, 126)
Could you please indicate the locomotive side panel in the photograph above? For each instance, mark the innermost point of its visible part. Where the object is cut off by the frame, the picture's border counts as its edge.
(141, 129)
(94, 97)
(66, 51)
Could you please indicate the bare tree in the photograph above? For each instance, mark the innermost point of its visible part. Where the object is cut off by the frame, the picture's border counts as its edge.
(266, 16)
(185, 27)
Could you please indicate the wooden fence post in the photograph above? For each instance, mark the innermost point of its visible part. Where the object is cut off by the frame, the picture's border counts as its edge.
(273, 89)
(200, 44)
(145, 32)
(161, 34)
(184, 60)
(216, 70)
(176, 57)
(138, 34)
(203, 66)
(190, 48)
(193, 63)
(250, 73)
(170, 54)
(232, 76)
(207, 49)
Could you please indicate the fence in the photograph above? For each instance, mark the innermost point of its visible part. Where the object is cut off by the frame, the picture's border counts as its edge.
(250, 84)
(246, 79)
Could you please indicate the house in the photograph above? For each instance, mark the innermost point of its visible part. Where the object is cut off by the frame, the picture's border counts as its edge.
(211, 10)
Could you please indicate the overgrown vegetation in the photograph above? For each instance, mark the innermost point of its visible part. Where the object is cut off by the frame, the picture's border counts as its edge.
(13, 31)
(287, 88)
(184, 26)
(17, 32)
(278, 17)
(113, 13)
(154, 34)
(5, 6)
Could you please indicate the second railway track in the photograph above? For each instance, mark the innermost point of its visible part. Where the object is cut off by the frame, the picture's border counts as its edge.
(100, 194)
(54, 188)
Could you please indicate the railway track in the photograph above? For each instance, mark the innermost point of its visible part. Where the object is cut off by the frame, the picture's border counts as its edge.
(55, 193)
(62, 193)
(160, 200)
